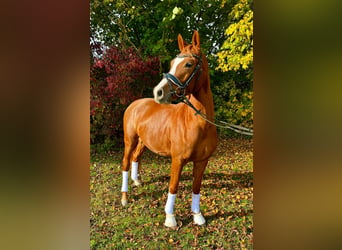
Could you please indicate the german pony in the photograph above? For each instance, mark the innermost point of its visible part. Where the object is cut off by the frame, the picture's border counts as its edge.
(173, 129)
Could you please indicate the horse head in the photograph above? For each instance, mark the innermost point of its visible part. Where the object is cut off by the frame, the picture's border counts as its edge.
(184, 72)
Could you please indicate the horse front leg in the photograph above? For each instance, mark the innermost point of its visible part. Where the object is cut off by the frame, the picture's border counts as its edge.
(176, 169)
(198, 172)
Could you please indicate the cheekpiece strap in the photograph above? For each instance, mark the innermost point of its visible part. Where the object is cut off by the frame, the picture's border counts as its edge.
(173, 79)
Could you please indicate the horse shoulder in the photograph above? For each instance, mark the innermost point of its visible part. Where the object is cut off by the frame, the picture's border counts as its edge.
(152, 124)
(201, 135)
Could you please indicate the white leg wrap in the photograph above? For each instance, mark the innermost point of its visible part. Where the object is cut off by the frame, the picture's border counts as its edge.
(195, 208)
(134, 173)
(195, 204)
(171, 198)
(170, 220)
(199, 219)
(124, 187)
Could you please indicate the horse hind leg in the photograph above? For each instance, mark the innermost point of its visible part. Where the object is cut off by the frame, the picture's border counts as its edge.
(136, 162)
(130, 145)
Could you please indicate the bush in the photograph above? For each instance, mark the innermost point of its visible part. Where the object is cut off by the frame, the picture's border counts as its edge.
(233, 98)
(119, 77)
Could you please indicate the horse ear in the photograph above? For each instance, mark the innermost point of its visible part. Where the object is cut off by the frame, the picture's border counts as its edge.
(181, 43)
(196, 39)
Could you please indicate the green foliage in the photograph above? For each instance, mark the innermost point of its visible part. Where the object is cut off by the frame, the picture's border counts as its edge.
(153, 25)
(226, 203)
(237, 51)
(151, 29)
(234, 99)
(233, 87)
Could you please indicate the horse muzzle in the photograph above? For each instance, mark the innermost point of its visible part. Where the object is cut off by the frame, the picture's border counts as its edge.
(162, 92)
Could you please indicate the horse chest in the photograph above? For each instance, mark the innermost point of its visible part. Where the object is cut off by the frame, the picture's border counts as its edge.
(195, 144)
(205, 146)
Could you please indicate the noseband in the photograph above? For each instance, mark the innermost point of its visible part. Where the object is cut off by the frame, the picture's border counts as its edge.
(182, 86)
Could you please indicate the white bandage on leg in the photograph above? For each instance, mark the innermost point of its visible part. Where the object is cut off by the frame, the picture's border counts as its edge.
(170, 221)
(171, 198)
(124, 187)
(134, 173)
(199, 219)
(195, 208)
(195, 204)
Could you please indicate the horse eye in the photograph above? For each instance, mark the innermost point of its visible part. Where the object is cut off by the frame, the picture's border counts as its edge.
(188, 65)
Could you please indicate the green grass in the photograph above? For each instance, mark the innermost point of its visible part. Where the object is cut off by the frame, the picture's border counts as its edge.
(226, 202)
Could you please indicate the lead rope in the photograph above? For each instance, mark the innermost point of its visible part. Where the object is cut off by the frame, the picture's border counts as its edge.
(235, 128)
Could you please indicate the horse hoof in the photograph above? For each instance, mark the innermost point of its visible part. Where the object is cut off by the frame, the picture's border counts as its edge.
(170, 221)
(137, 182)
(199, 219)
(124, 202)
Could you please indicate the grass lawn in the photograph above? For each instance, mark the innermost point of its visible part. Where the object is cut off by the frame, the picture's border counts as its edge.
(226, 202)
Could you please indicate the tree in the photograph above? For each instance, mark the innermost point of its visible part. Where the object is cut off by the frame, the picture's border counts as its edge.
(149, 29)
(235, 92)
(153, 26)
(237, 50)
(118, 78)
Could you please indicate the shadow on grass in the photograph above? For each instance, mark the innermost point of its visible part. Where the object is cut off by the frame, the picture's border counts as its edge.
(187, 220)
(157, 179)
(153, 197)
(232, 214)
(230, 181)
(214, 180)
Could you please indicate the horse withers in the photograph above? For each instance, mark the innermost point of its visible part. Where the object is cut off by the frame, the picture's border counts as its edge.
(173, 129)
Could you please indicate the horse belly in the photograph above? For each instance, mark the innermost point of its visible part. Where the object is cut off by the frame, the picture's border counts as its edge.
(155, 139)
(156, 145)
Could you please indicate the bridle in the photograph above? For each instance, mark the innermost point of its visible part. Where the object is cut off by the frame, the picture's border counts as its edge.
(179, 92)
(182, 97)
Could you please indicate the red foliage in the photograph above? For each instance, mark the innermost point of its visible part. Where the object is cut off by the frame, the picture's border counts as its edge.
(118, 78)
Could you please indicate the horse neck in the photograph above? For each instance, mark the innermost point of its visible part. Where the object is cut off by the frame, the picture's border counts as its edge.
(203, 98)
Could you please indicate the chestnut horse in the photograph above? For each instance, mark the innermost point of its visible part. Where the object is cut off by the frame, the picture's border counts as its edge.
(174, 129)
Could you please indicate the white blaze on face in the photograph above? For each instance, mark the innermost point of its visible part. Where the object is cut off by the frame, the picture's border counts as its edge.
(163, 82)
(172, 71)
(175, 65)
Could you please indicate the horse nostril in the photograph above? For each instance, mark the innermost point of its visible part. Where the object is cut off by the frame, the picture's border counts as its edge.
(160, 93)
